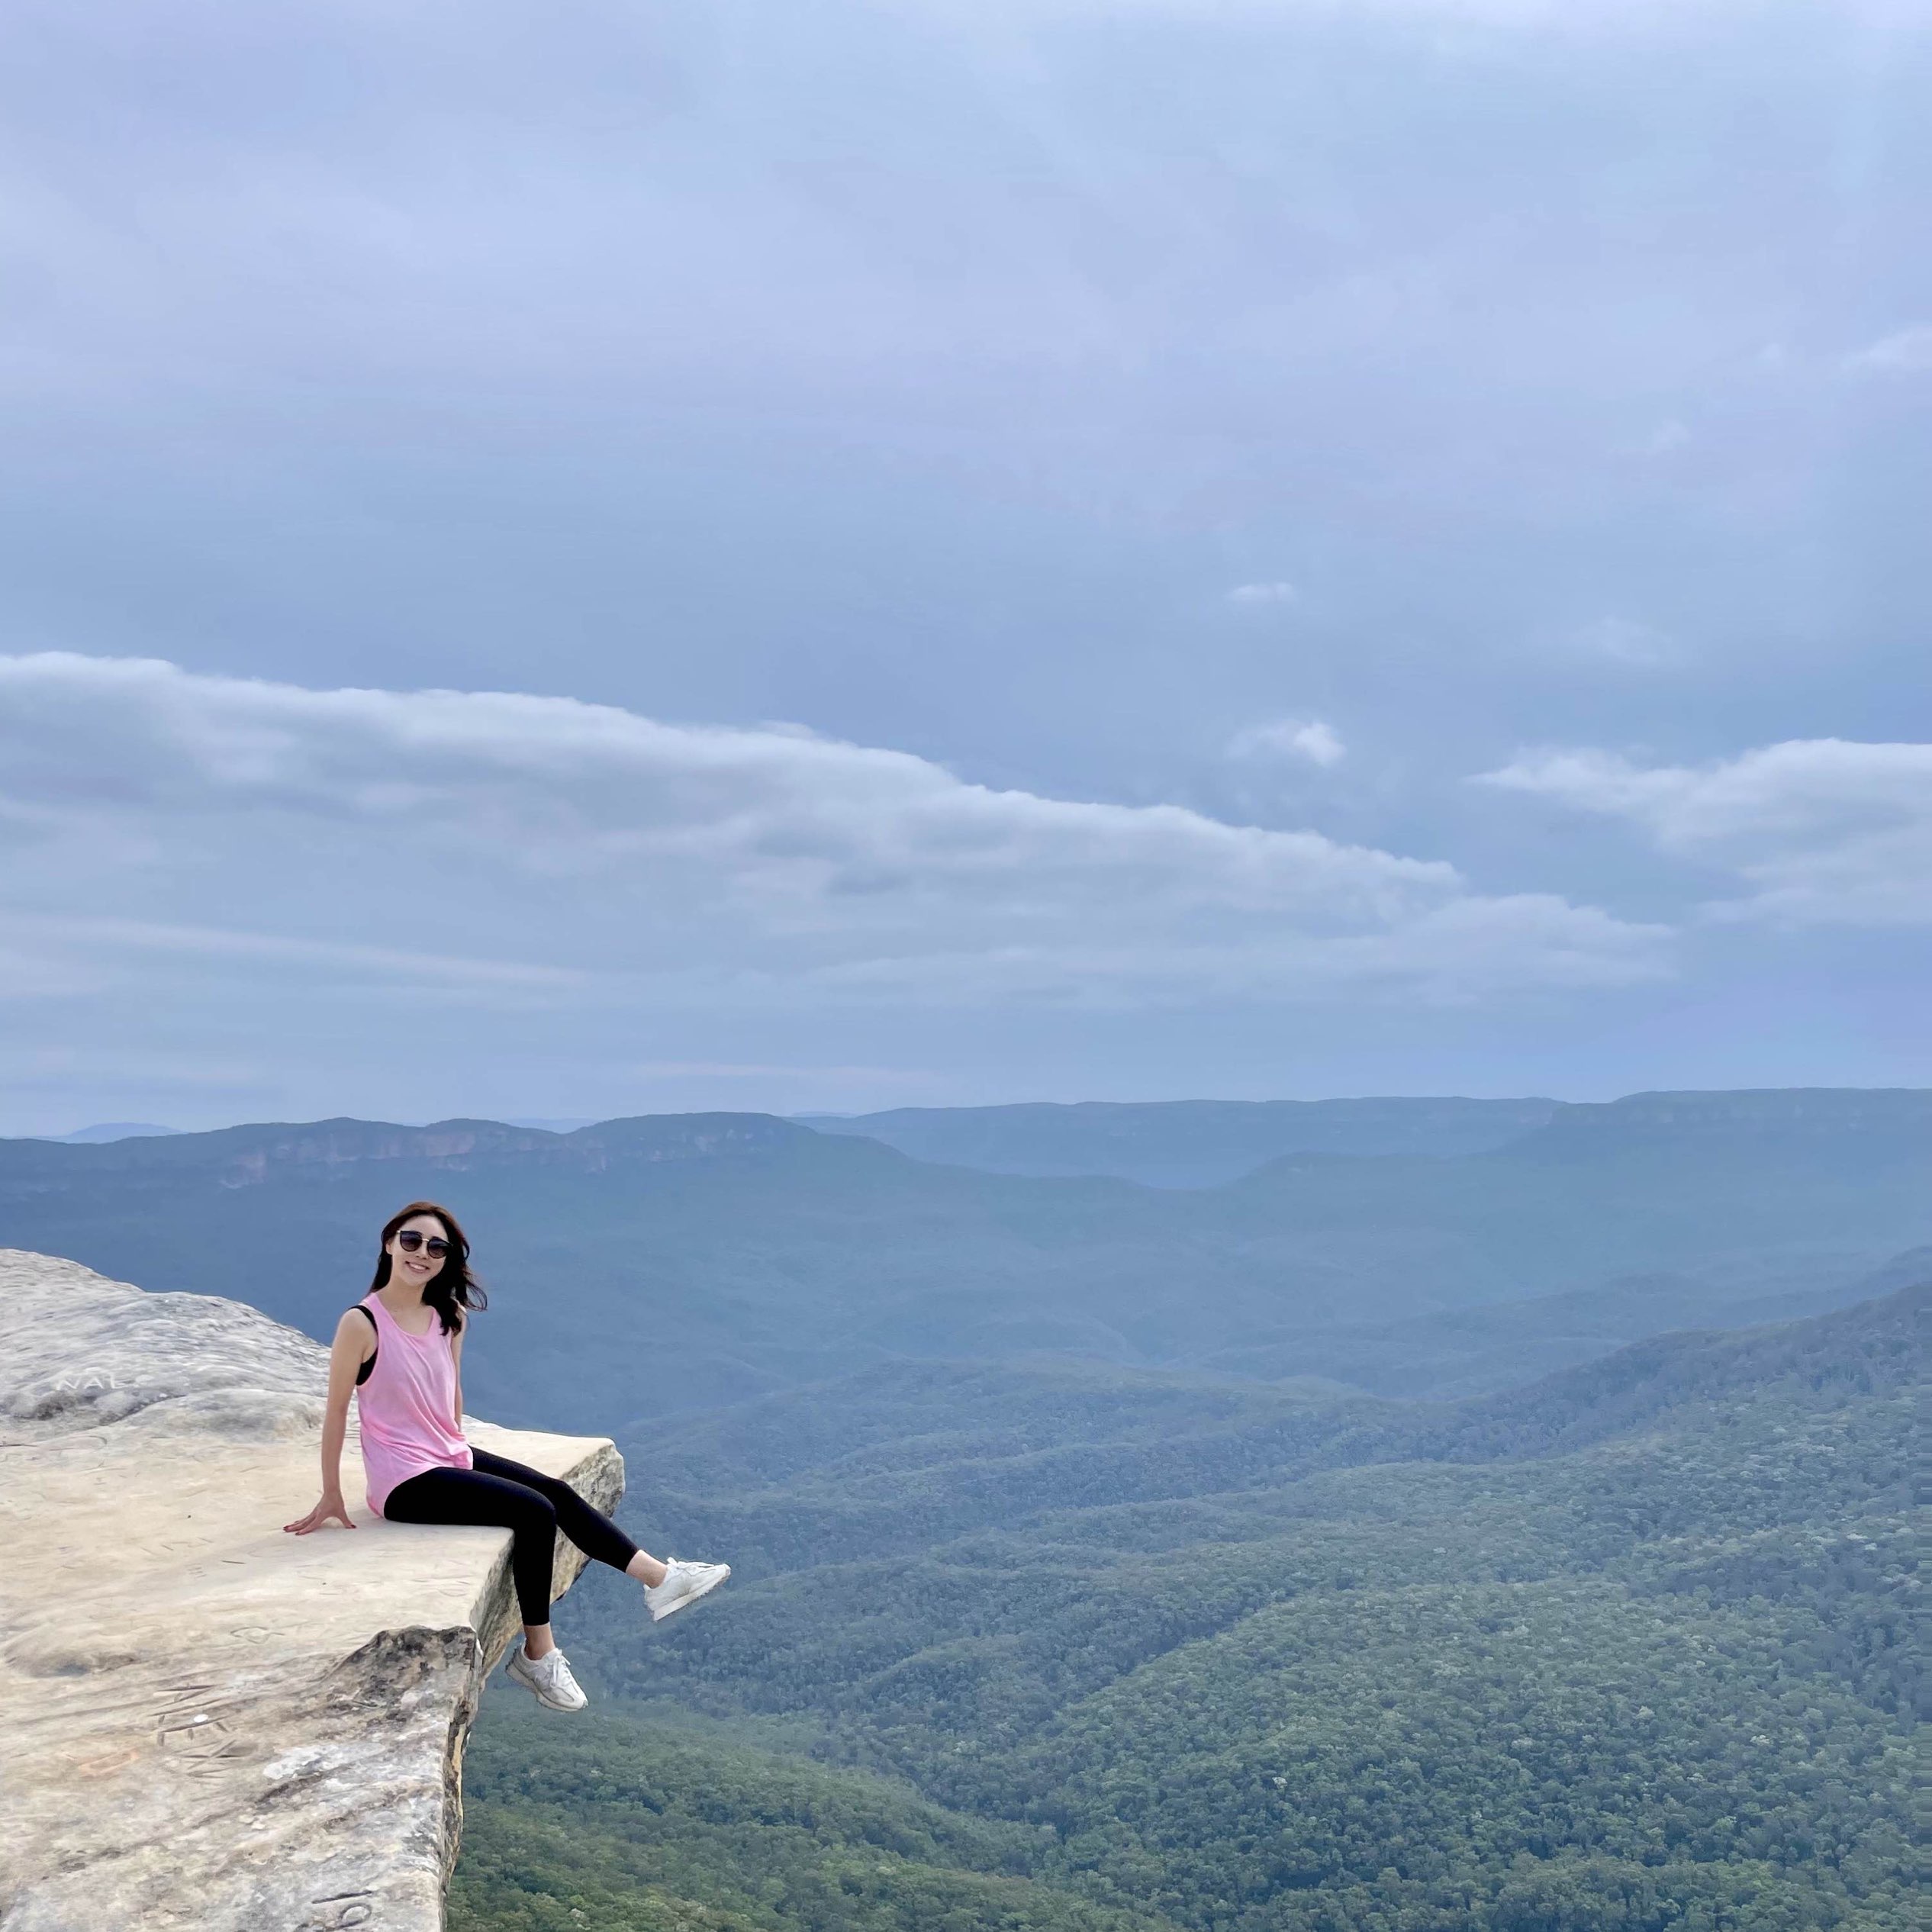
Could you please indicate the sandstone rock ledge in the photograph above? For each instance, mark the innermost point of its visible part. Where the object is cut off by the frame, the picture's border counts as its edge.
(204, 1722)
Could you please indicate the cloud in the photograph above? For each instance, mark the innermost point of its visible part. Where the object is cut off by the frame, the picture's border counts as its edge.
(545, 849)
(1826, 832)
(1663, 439)
(208, 944)
(1262, 595)
(1907, 352)
(1310, 739)
(1623, 640)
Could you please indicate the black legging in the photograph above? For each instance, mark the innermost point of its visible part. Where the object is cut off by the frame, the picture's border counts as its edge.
(507, 1495)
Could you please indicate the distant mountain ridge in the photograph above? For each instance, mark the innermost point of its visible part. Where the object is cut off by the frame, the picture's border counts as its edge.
(1188, 1143)
(255, 1149)
(1208, 1143)
(671, 1262)
(1239, 1136)
(1795, 1113)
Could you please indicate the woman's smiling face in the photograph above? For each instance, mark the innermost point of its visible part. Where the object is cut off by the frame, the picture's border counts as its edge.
(417, 1249)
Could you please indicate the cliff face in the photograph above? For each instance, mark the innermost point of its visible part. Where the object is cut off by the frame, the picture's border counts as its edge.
(209, 1723)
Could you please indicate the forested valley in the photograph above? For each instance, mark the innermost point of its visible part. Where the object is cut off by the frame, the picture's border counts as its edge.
(1050, 1645)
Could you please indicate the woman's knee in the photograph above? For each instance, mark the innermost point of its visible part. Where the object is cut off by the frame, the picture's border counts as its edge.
(558, 1493)
(536, 1515)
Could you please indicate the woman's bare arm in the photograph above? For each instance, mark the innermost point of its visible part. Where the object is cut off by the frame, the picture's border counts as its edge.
(355, 1343)
(456, 1356)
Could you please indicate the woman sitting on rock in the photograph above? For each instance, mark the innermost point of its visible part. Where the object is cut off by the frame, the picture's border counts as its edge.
(401, 1349)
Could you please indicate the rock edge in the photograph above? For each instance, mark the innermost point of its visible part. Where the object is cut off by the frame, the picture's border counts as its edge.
(209, 1722)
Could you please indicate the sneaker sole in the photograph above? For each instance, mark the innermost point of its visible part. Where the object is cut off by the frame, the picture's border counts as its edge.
(537, 1691)
(705, 1588)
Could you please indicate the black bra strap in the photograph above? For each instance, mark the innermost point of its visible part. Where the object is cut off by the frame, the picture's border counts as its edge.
(362, 1373)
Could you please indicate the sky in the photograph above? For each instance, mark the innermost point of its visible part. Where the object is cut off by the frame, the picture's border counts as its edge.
(601, 559)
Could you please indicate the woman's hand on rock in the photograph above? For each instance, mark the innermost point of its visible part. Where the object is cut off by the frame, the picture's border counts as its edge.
(329, 1507)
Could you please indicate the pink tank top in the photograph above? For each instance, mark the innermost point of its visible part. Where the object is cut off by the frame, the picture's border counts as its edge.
(406, 1408)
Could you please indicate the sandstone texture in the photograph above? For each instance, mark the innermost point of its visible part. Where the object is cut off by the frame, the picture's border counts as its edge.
(205, 1722)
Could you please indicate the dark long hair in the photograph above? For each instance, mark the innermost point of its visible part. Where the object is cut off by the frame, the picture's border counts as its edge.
(452, 1287)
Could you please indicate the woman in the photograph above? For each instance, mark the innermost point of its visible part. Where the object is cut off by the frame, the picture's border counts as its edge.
(401, 1350)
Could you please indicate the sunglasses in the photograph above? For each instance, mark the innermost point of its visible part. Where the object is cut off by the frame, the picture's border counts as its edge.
(409, 1240)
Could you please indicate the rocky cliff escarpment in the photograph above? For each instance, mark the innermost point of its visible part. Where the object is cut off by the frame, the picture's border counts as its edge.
(209, 1722)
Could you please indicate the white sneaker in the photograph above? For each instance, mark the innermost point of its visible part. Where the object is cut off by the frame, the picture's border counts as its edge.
(549, 1677)
(684, 1582)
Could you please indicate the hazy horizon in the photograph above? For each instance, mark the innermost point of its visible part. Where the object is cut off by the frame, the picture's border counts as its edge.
(105, 1131)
